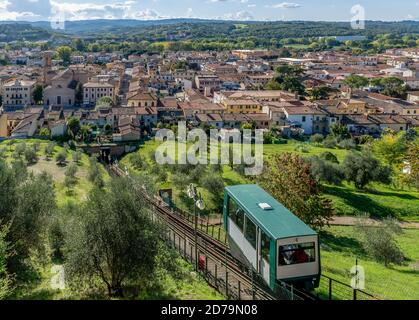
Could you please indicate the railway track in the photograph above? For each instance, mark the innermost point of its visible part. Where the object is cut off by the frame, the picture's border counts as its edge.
(236, 275)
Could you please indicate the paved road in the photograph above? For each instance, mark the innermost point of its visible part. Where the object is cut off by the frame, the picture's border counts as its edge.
(351, 221)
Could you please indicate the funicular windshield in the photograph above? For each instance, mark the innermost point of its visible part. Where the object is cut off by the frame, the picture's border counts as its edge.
(296, 254)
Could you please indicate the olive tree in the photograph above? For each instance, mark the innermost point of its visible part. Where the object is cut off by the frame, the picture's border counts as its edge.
(378, 240)
(115, 239)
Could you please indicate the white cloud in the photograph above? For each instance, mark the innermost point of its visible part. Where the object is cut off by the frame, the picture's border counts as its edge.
(284, 5)
(240, 15)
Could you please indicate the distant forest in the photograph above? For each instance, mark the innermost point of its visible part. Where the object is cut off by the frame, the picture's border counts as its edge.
(132, 36)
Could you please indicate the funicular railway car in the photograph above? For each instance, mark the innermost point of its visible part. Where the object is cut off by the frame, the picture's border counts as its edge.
(267, 236)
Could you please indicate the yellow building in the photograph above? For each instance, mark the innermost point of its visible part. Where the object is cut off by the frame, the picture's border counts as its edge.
(242, 106)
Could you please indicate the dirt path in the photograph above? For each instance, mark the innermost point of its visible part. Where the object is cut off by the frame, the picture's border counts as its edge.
(58, 279)
(351, 221)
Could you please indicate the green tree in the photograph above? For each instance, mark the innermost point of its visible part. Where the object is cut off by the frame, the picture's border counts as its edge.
(79, 45)
(30, 155)
(391, 148)
(104, 101)
(95, 173)
(320, 93)
(38, 94)
(74, 126)
(26, 204)
(363, 168)
(289, 179)
(49, 150)
(5, 253)
(64, 53)
(79, 93)
(355, 81)
(394, 87)
(61, 157)
(412, 163)
(70, 179)
(379, 242)
(44, 132)
(77, 156)
(104, 243)
(339, 132)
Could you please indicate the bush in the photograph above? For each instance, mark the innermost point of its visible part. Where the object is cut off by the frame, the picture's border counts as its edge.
(328, 156)
(95, 174)
(70, 176)
(31, 156)
(61, 157)
(77, 156)
(326, 171)
(49, 149)
(329, 143)
(138, 161)
(19, 150)
(304, 148)
(379, 243)
(317, 138)
(347, 144)
(365, 139)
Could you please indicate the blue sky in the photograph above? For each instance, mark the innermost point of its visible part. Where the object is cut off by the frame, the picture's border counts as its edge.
(329, 10)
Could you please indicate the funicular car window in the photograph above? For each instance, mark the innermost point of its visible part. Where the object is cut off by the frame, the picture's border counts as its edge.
(250, 232)
(236, 214)
(296, 254)
(265, 245)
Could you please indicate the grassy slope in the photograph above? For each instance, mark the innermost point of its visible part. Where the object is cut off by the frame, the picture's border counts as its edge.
(379, 201)
(38, 288)
(341, 247)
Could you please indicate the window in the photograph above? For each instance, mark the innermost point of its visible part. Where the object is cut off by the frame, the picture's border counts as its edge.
(265, 246)
(236, 214)
(296, 254)
(304, 119)
(250, 232)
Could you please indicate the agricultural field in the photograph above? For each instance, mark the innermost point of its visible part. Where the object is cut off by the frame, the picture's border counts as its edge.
(57, 171)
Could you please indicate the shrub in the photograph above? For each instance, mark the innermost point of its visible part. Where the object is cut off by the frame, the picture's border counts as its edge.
(49, 149)
(329, 143)
(304, 148)
(326, 171)
(95, 174)
(365, 139)
(70, 176)
(31, 156)
(379, 243)
(77, 156)
(347, 144)
(138, 161)
(317, 138)
(328, 156)
(19, 150)
(61, 157)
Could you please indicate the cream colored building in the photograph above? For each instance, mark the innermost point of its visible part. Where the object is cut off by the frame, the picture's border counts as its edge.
(93, 91)
(18, 93)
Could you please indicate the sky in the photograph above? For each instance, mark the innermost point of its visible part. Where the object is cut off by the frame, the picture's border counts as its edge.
(312, 10)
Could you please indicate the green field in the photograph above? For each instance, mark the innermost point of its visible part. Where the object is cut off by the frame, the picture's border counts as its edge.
(341, 246)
